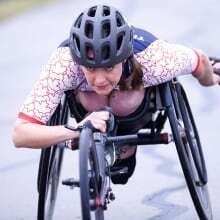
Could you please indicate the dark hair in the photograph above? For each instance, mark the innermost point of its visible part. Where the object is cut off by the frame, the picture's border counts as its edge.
(134, 81)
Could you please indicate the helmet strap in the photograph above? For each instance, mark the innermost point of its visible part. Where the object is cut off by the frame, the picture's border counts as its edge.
(128, 67)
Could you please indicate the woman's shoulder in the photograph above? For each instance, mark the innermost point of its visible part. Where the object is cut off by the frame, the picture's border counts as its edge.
(142, 39)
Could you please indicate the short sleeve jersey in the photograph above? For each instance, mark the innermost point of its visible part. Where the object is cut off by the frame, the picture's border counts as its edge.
(160, 61)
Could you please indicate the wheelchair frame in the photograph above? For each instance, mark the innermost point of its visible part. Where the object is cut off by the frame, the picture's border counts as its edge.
(95, 195)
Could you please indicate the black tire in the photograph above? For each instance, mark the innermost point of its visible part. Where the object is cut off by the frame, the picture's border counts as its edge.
(49, 180)
(90, 181)
(192, 135)
(49, 170)
(189, 151)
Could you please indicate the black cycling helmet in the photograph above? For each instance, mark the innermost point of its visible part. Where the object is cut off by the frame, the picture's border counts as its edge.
(100, 37)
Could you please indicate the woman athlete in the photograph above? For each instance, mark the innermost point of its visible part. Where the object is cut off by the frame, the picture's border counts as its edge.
(107, 63)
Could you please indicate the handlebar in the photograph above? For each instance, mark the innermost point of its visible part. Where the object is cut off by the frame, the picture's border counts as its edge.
(216, 71)
(215, 60)
(110, 123)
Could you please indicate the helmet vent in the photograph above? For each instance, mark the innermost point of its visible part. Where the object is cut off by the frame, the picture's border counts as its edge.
(119, 19)
(89, 30)
(106, 11)
(131, 35)
(105, 52)
(120, 40)
(78, 21)
(106, 29)
(76, 43)
(89, 52)
(92, 11)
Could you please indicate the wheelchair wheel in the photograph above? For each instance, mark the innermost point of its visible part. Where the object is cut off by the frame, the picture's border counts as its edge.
(51, 167)
(189, 151)
(49, 171)
(90, 180)
(192, 135)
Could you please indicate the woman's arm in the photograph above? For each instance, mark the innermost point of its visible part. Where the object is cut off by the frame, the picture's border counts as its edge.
(162, 61)
(204, 72)
(31, 135)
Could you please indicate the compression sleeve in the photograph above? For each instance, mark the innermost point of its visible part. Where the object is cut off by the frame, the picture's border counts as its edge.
(162, 61)
(61, 73)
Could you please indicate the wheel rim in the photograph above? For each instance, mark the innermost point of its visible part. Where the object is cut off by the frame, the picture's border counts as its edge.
(51, 192)
(198, 193)
(193, 137)
(52, 183)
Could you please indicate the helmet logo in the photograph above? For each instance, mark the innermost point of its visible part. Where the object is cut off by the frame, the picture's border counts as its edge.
(138, 37)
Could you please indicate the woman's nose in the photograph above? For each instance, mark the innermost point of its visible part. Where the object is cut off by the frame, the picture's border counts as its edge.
(100, 76)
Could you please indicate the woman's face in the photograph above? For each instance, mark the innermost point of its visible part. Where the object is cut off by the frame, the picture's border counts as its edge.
(103, 80)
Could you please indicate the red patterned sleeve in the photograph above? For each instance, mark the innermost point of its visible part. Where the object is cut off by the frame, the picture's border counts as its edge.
(162, 61)
(61, 73)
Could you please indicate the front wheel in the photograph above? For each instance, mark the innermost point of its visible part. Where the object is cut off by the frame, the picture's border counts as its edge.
(90, 180)
(189, 151)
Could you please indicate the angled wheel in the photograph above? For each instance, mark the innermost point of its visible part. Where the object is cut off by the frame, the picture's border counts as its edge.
(192, 135)
(48, 186)
(189, 151)
(49, 170)
(92, 200)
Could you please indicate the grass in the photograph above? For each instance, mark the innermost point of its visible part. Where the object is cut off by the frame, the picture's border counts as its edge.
(10, 8)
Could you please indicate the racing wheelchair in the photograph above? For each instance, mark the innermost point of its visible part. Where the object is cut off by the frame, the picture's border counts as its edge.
(99, 151)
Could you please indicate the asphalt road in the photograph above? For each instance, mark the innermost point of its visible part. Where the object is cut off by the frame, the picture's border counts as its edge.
(157, 190)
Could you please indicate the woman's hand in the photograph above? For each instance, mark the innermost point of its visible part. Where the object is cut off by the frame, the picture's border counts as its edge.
(204, 72)
(98, 120)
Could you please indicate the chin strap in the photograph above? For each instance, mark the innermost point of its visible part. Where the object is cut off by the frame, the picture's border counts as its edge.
(128, 66)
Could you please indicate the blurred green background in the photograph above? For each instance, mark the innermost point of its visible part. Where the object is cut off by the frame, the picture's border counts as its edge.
(9, 8)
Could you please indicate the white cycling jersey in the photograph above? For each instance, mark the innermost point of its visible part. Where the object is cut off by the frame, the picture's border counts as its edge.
(161, 61)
